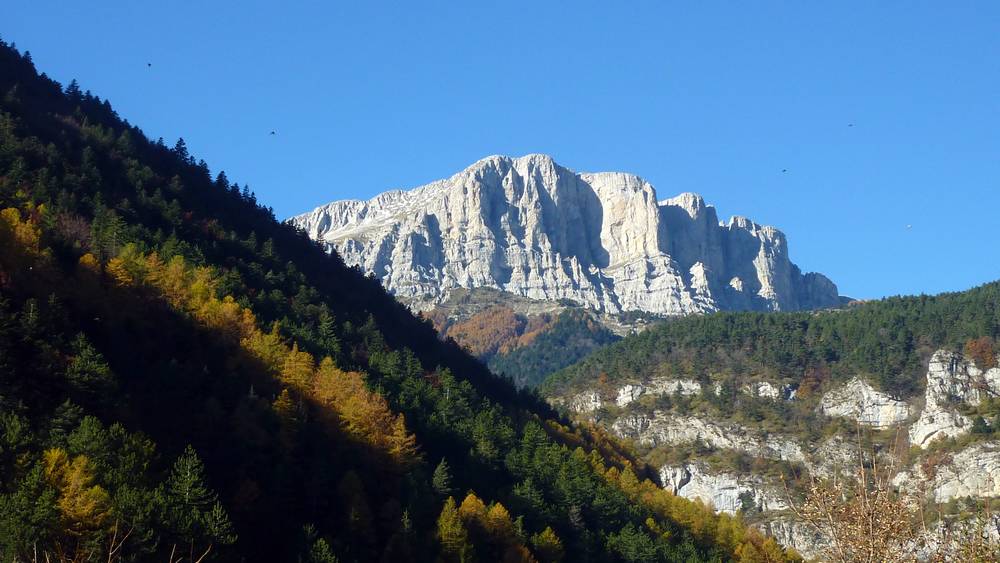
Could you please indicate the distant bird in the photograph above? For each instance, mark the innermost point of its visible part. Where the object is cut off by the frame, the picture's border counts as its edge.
(274, 132)
(908, 227)
(149, 65)
(850, 125)
(783, 170)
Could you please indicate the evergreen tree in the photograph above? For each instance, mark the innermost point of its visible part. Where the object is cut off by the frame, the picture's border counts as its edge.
(181, 151)
(441, 480)
(218, 528)
(73, 91)
(87, 373)
(187, 494)
(979, 425)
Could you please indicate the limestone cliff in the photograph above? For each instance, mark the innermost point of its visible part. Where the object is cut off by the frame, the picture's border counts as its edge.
(535, 229)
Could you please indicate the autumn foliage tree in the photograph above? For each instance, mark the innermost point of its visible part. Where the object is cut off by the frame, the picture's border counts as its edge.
(980, 350)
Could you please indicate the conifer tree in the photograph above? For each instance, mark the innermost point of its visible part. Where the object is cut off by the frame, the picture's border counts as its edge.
(452, 534)
(548, 546)
(441, 480)
(186, 491)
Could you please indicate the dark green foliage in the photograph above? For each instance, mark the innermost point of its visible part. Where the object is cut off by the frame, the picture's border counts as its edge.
(574, 335)
(979, 426)
(441, 480)
(889, 340)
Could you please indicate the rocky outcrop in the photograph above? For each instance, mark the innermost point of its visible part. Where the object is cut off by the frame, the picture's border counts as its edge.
(726, 492)
(657, 386)
(859, 401)
(768, 390)
(972, 472)
(951, 380)
(801, 537)
(950, 540)
(533, 228)
(585, 402)
(668, 429)
(953, 384)
(835, 456)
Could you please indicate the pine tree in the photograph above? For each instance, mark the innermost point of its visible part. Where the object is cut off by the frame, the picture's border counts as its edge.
(180, 149)
(187, 494)
(327, 330)
(218, 527)
(979, 426)
(73, 91)
(441, 480)
(221, 181)
(87, 372)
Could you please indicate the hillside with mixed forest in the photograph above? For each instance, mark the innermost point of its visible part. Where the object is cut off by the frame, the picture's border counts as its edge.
(749, 411)
(888, 341)
(184, 378)
(523, 339)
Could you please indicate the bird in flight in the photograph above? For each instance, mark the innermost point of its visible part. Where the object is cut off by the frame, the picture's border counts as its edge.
(783, 170)
(908, 227)
(850, 125)
(274, 132)
(149, 65)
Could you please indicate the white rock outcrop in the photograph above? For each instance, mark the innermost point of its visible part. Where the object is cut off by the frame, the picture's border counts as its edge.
(971, 472)
(724, 491)
(586, 402)
(764, 389)
(533, 228)
(951, 379)
(859, 401)
(669, 429)
(630, 392)
(768, 390)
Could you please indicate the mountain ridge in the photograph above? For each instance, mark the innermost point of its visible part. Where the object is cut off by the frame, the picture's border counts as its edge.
(533, 228)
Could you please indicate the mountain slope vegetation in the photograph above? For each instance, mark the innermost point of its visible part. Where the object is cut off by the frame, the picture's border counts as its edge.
(183, 377)
(887, 341)
(525, 347)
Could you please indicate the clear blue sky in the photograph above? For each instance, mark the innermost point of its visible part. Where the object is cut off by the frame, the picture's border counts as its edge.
(712, 97)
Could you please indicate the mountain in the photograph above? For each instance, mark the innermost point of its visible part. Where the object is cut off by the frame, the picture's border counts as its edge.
(532, 228)
(746, 410)
(182, 377)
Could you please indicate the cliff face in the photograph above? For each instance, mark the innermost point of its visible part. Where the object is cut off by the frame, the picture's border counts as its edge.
(637, 411)
(532, 228)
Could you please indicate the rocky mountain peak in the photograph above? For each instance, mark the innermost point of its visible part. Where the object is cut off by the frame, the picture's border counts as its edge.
(533, 228)
(693, 204)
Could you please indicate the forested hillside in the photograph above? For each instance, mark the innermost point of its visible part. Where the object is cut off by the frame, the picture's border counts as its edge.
(887, 341)
(525, 348)
(184, 378)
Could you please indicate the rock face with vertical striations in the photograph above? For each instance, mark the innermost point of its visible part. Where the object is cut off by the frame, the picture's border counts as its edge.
(532, 228)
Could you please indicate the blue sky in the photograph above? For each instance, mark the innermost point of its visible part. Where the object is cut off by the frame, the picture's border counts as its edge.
(712, 97)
